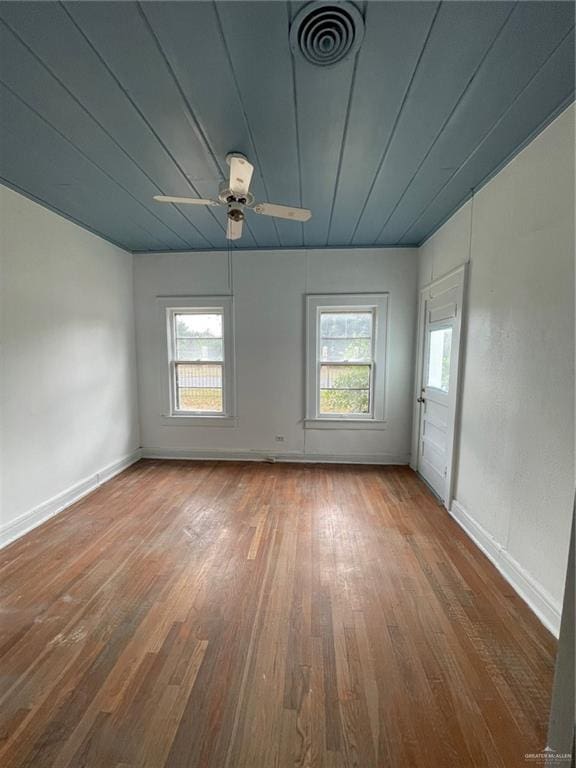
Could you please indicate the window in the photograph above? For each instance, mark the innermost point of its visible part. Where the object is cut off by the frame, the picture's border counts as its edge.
(200, 359)
(440, 345)
(346, 358)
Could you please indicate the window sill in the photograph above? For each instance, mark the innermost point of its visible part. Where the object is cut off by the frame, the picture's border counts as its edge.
(378, 424)
(198, 421)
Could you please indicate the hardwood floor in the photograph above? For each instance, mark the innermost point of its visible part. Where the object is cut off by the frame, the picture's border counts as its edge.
(234, 615)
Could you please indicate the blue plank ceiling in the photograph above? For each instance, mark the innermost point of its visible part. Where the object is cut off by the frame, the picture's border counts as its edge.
(104, 105)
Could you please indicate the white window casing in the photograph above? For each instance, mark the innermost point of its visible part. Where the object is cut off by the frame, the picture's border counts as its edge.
(172, 411)
(321, 362)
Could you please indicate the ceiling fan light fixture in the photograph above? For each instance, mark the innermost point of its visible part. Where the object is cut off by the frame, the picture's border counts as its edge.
(236, 214)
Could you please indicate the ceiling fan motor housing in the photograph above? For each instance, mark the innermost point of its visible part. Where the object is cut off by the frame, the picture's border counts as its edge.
(226, 196)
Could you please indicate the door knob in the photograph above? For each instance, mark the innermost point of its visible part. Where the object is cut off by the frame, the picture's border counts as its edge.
(420, 399)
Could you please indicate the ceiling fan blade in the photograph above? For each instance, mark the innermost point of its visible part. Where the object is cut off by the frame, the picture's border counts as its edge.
(184, 200)
(282, 211)
(234, 230)
(240, 175)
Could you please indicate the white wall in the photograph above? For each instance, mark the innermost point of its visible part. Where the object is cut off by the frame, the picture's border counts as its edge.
(269, 289)
(515, 471)
(68, 398)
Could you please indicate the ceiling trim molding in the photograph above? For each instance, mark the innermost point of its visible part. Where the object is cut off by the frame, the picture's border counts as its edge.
(274, 249)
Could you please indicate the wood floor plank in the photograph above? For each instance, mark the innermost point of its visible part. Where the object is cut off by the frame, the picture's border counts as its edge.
(245, 615)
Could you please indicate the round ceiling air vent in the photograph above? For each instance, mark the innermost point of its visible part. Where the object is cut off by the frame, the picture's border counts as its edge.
(326, 33)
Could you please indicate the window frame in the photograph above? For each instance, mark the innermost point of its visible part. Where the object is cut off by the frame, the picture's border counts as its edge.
(377, 304)
(169, 308)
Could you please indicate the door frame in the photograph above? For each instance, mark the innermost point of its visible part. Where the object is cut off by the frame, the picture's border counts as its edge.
(456, 279)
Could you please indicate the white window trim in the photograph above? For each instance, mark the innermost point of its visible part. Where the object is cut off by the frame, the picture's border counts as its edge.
(168, 307)
(375, 302)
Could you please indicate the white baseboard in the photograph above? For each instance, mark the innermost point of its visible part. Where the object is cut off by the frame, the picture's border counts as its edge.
(295, 456)
(35, 517)
(531, 591)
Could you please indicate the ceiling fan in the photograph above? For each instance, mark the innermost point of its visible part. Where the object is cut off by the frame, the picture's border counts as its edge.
(236, 197)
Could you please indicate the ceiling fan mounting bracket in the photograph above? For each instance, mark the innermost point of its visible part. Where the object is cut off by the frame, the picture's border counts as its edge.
(231, 155)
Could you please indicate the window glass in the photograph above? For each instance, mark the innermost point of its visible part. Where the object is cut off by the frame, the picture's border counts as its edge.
(345, 389)
(199, 325)
(345, 336)
(341, 350)
(440, 345)
(198, 336)
(346, 324)
(199, 349)
(199, 387)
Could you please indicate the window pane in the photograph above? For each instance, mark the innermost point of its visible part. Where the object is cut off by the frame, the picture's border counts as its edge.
(332, 324)
(198, 325)
(344, 389)
(439, 358)
(199, 388)
(198, 349)
(346, 325)
(339, 350)
(344, 377)
(344, 401)
(200, 400)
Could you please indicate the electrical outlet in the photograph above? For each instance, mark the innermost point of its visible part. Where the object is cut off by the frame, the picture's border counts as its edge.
(279, 438)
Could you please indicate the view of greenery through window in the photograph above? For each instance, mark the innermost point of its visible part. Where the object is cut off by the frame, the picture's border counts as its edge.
(199, 345)
(345, 341)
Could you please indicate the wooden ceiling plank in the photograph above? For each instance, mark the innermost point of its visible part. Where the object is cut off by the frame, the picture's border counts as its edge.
(84, 73)
(550, 91)
(395, 34)
(141, 69)
(44, 178)
(256, 35)
(140, 99)
(190, 37)
(20, 118)
(34, 82)
(525, 44)
(323, 104)
(461, 34)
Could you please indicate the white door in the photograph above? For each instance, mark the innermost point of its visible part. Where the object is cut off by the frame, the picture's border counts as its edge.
(440, 321)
